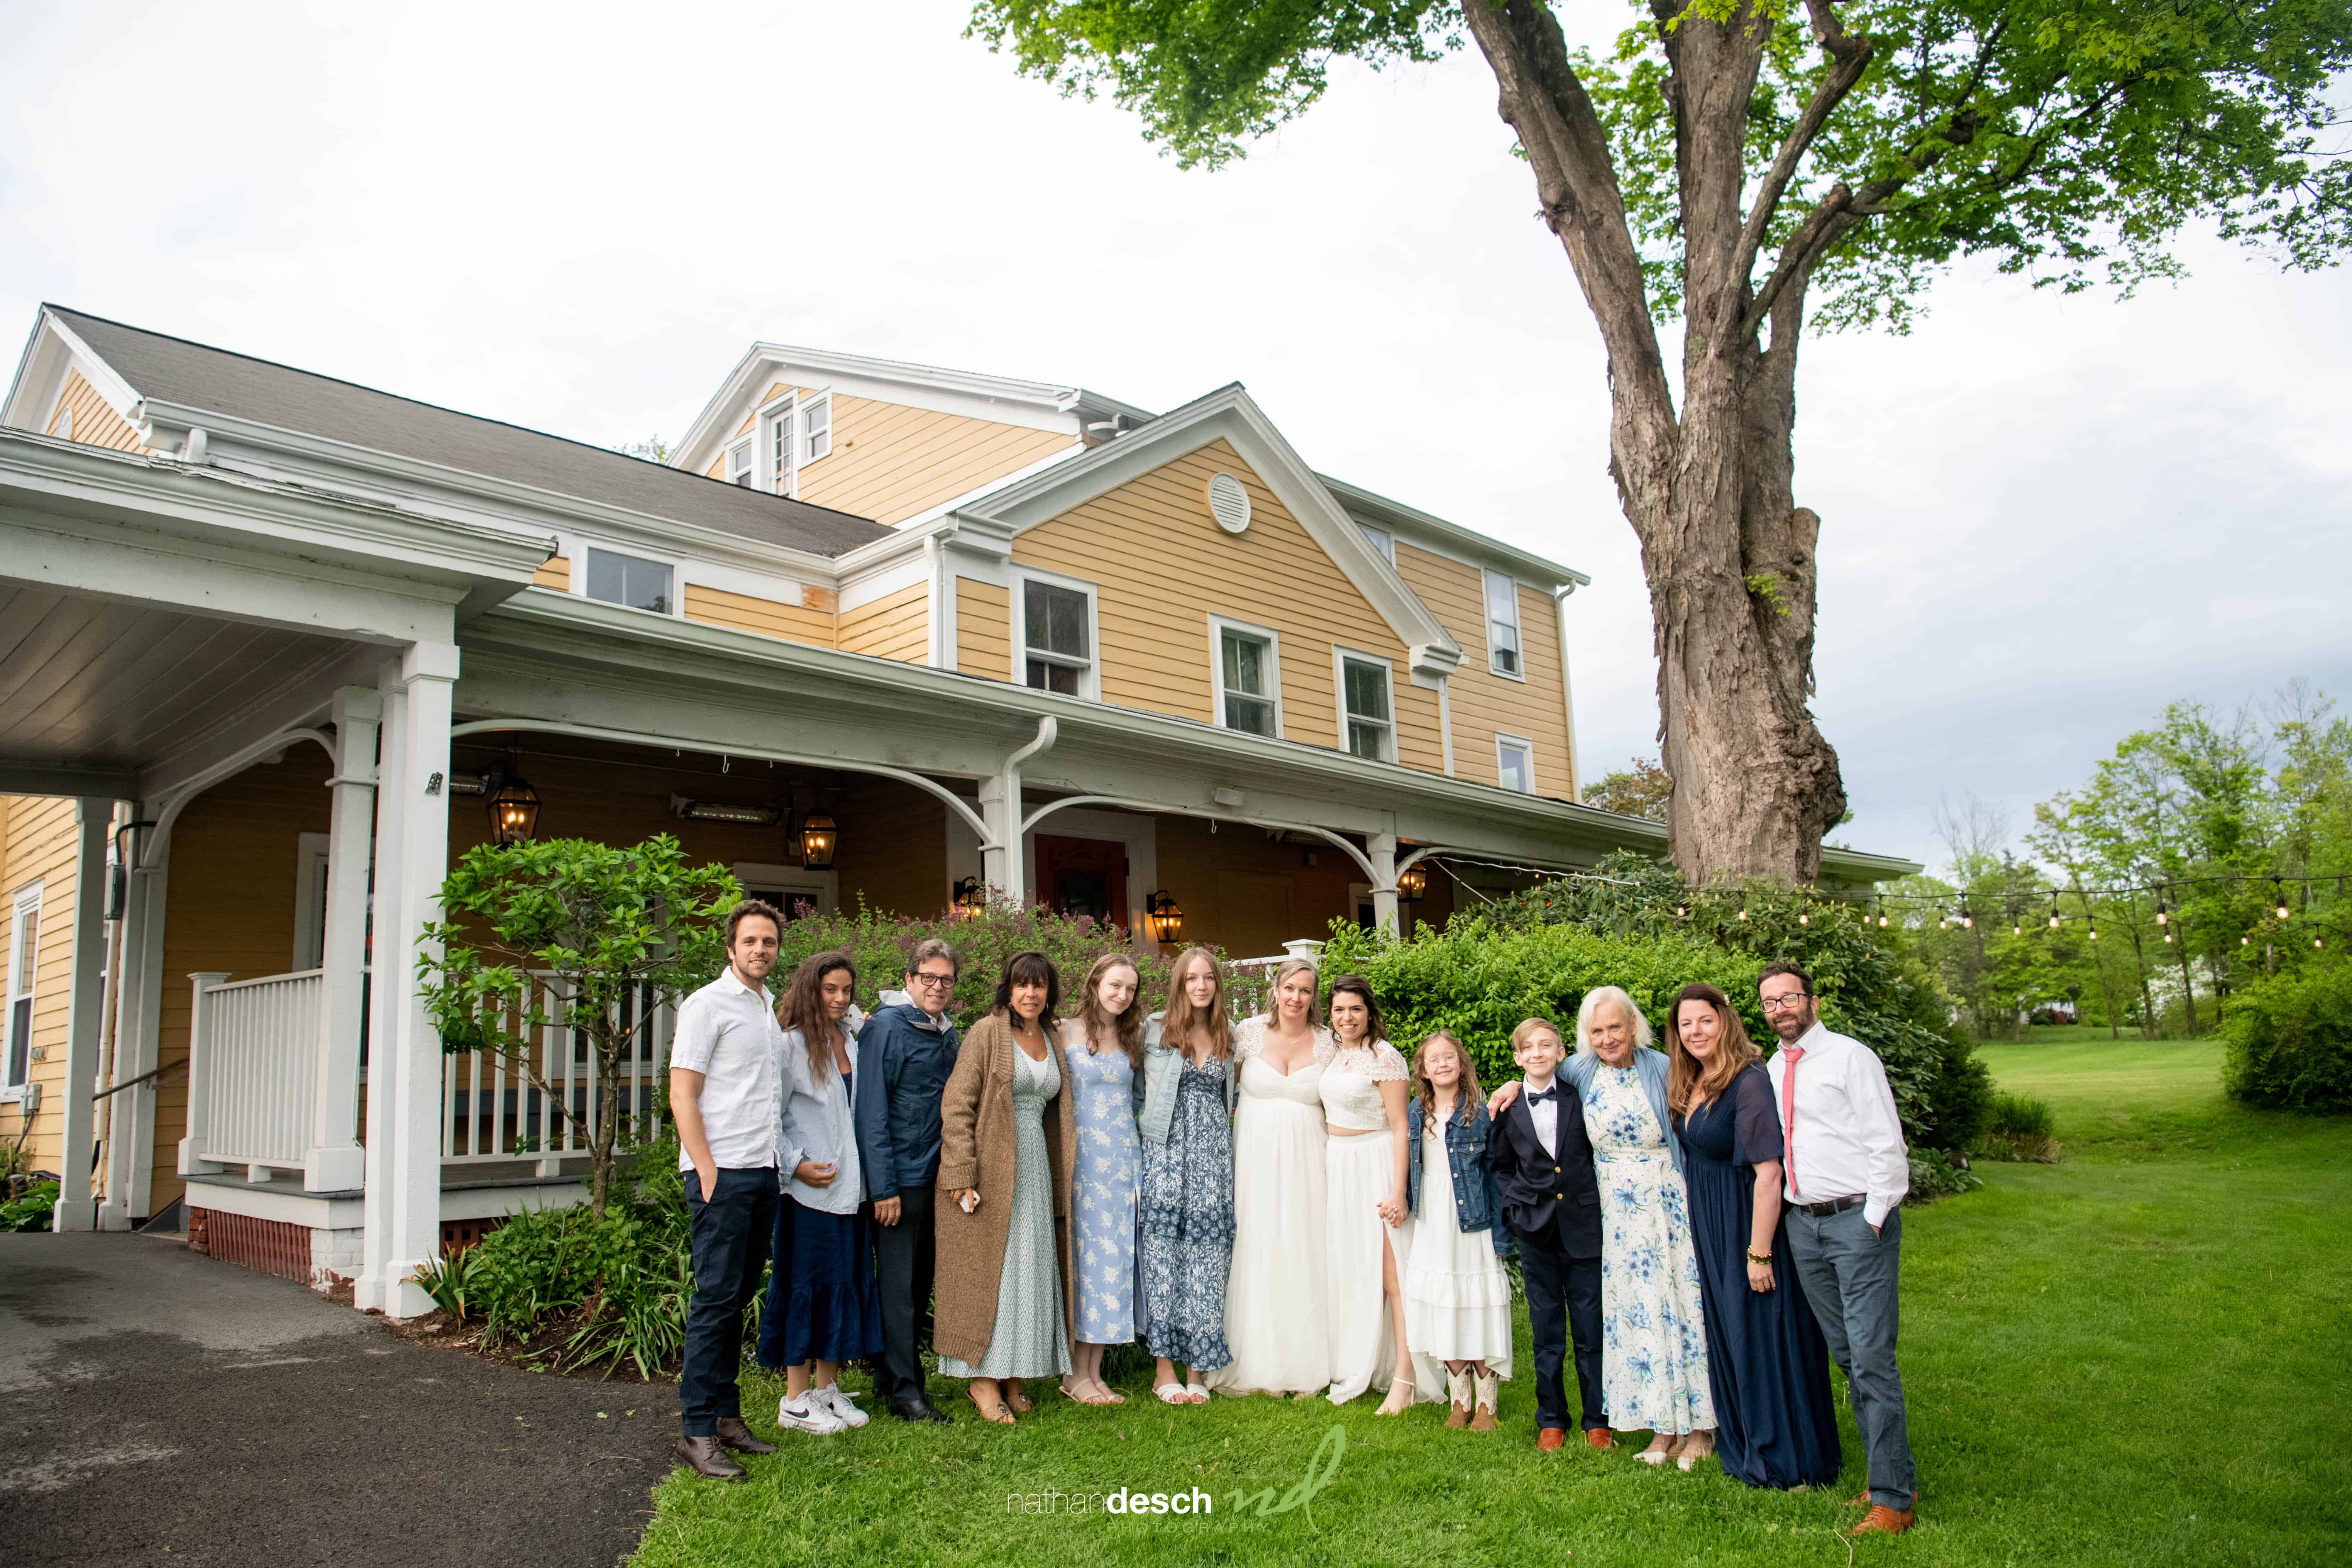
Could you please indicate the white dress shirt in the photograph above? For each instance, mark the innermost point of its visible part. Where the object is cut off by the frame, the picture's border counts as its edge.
(728, 1032)
(1844, 1139)
(1545, 1114)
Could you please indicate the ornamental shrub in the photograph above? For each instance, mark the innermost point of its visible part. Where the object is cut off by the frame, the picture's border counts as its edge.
(2289, 1041)
(2021, 1128)
(1639, 925)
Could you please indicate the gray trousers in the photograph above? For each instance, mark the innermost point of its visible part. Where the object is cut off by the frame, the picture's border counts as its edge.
(1852, 1279)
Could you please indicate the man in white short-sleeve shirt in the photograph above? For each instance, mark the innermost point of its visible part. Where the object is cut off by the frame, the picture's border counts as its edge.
(726, 1091)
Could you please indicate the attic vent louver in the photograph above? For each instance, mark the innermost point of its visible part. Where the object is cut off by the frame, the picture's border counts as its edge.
(1229, 503)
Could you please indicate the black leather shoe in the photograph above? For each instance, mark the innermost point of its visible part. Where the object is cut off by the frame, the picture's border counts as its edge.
(705, 1458)
(917, 1409)
(738, 1437)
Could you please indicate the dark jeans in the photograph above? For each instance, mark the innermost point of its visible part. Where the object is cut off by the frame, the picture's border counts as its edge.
(1563, 1301)
(906, 1258)
(1852, 1279)
(729, 1232)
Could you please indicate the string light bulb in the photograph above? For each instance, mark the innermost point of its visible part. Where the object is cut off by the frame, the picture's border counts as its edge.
(1968, 921)
(2279, 891)
(2094, 933)
(2245, 942)
(1743, 915)
(1804, 920)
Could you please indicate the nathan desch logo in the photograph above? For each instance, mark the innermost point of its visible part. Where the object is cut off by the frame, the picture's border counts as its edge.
(1193, 1502)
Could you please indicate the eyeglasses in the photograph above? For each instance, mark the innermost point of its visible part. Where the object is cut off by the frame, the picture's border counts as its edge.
(923, 977)
(1785, 1004)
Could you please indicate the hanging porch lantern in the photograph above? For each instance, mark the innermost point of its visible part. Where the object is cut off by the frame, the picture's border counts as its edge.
(820, 835)
(1411, 883)
(969, 900)
(513, 807)
(1163, 918)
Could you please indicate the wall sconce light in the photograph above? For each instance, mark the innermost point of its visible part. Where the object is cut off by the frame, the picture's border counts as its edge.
(1164, 918)
(513, 806)
(820, 835)
(970, 898)
(1411, 883)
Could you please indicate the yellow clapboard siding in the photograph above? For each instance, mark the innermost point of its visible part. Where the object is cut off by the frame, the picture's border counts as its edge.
(766, 616)
(897, 626)
(1161, 566)
(984, 629)
(95, 422)
(1483, 702)
(41, 837)
(553, 572)
(890, 462)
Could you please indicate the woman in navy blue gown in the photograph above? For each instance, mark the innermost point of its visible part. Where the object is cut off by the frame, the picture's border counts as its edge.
(1767, 1367)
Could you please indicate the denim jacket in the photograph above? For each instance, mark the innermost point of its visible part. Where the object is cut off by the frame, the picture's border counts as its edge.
(1467, 1165)
(1155, 1086)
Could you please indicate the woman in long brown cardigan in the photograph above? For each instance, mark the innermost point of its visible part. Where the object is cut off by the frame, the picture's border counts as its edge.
(1008, 1141)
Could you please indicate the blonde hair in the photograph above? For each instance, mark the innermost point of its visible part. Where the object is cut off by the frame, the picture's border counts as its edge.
(1181, 1019)
(1467, 1093)
(1733, 1050)
(1290, 966)
(1607, 995)
(1528, 1026)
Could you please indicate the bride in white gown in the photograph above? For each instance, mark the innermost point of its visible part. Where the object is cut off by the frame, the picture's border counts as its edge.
(1367, 1225)
(1276, 1325)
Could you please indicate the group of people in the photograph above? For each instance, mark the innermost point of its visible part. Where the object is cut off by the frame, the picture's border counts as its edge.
(1286, 1206)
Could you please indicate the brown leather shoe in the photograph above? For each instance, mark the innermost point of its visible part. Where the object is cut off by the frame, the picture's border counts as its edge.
(738, 1437)
(705, 1457)
(1892, 1521)
(1600, 1438)
(1550, 1439)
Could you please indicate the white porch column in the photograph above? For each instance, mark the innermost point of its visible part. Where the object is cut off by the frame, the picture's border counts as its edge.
(1005, 866)
(1381, 848)
(335, 1161)
(138, 1003)
(84, 1005)
(411, 1060)
(387, 995)
(201, 1045)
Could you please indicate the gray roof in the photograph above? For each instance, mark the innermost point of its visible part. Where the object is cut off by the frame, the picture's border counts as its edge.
(174, 370)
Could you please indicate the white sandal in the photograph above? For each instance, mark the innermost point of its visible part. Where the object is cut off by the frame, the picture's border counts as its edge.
(1170, 1393)
(1198, 1393)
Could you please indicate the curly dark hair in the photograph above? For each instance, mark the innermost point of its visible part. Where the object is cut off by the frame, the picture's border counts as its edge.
(1030, 968)
(1358, 986)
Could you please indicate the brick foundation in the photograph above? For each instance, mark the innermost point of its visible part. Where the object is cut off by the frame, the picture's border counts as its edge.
(269, 1245)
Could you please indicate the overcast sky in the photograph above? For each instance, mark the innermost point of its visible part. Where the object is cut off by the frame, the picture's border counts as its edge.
(2042, 519)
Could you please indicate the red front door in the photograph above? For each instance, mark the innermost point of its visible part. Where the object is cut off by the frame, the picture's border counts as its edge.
(1083, 877)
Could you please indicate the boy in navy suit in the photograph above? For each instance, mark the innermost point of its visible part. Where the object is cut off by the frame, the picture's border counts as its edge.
(1543, 1169)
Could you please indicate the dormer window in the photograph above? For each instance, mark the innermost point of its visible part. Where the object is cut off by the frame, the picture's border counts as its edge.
(739, 464)
(779, 448)
(1381, 540)
(1503, 625)
(816, 434)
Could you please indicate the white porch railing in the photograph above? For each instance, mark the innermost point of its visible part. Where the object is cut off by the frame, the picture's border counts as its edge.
(257, 1044)
(491, 1111)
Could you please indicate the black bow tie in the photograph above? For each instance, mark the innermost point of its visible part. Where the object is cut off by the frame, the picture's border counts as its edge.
(1538, 1096)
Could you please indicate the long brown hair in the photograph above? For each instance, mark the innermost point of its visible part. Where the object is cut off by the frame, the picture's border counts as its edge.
(802, 1008)
(1128, 1027)
(1733, 1050)
(1176, 1024)
(1467, 1093)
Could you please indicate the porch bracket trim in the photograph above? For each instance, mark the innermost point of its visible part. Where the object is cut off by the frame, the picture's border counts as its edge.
(1488, 856)
(955, 802)
(1323, 833)
(176, 798)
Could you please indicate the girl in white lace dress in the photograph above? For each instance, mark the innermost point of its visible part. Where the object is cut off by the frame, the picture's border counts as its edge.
(1367, 1225)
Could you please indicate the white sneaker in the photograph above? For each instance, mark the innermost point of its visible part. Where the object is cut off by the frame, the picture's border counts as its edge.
(845, 1413)
(814, 1415)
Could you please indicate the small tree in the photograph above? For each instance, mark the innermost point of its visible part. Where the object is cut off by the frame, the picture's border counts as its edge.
(567, 933)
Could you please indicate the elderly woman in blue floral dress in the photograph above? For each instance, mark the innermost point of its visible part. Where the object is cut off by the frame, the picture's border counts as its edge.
(1105, 1046)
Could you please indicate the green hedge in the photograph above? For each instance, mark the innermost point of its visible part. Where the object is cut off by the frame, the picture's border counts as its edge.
(1635, 923)
(2289, 1041)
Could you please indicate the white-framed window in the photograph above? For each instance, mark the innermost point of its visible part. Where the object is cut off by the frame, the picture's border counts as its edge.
(1503, 625)
(632, 581)
(310, 870)
(795, 889)
(1245, 667)
(1058, 635)
(817, 428)
(1367, 722)
(1515, 763)
(1381, 540)
(63, 429)
(739, 464)
(24, 968)
(777, 447)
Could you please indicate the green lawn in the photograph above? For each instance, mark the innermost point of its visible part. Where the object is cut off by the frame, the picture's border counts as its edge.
(2135, 1356)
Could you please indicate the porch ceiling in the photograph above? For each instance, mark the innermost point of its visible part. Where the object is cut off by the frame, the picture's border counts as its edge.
(91, 686)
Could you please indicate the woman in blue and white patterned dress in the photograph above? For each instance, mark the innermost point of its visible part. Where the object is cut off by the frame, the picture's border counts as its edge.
(1105, 1046)
(1654, 1369)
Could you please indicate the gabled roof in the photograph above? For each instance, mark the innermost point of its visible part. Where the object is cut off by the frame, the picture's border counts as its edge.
(1038, 405)
(163, 369)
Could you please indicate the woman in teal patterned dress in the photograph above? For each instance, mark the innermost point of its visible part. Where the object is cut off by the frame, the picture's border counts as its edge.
(1104, 1045)
(1184, 1108)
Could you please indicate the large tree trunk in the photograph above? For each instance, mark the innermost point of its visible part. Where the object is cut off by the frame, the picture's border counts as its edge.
(1727, 555)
